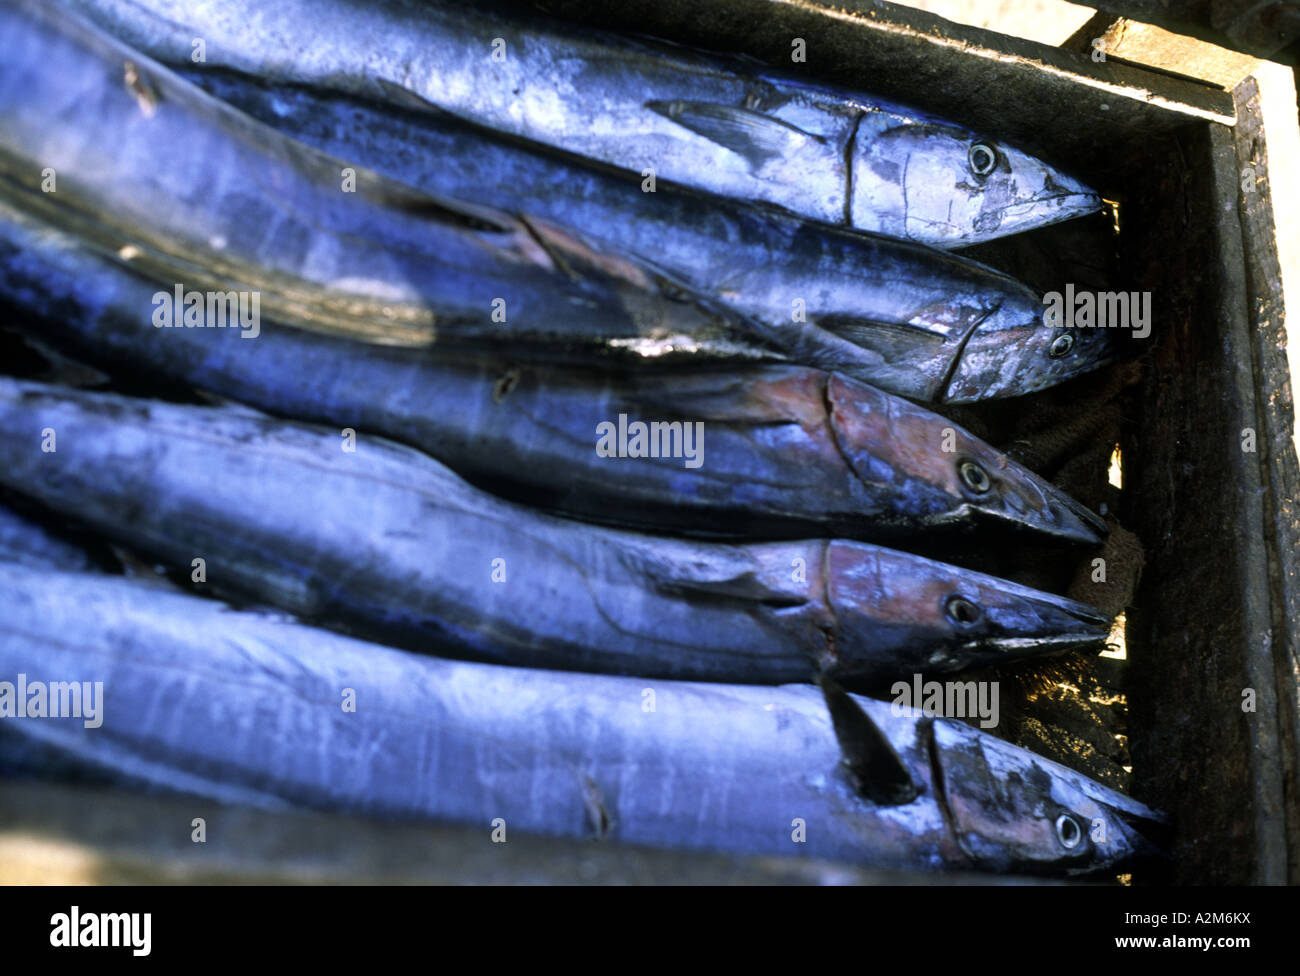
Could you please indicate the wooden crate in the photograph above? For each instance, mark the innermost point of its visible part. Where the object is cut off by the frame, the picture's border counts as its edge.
(1218, 606)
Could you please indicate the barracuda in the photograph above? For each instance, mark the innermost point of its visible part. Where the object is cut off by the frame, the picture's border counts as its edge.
(723, 125)
(904, 317)
(245, 708)
(784, 450)
(238, 207)
(242, 208)
(389, 542)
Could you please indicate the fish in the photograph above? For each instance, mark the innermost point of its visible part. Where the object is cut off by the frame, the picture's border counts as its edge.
(270, 226)
(366, 534)
(726, 126)
(245, 212)
(25, 543)
(249, 708)
(906, 318)
(754, 450)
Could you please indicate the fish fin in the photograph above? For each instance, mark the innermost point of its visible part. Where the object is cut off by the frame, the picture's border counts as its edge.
(77, 375)
(748, 587)
(893, 341)
(600, 819)
(721, 578)
(62, 370)
(878, 772)
(226, 404)
(466, 216)
(756, 137)
(714, 396)
(139, 569)
(403, 97)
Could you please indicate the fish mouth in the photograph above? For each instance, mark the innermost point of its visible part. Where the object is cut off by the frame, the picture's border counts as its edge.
(1150, 836)
(1083, 629)
(1147, 833)
(1014, 647)
(1039, 211)
(1078, 521)
(1088, 199)
(1061, 519)
(1068, 205)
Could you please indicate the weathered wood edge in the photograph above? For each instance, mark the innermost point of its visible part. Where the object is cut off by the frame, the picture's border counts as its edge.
(1158, 49)
(1263, 29)
(1280, 471)
(1254, 565)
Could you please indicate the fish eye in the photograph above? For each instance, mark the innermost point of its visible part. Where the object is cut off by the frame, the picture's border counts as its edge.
(961, 611)
(974, 477)
(1068, 831)
(983, 158)
(1061, 345)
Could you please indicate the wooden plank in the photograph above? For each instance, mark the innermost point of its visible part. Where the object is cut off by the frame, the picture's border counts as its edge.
(1046, 21)
(1132, 42)
(1269, 29)
(1202, 631)
(1274, 393)
(1264, 755)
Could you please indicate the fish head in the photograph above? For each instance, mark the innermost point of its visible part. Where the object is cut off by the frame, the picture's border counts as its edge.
(945, 475)
(948, 186)
(1015, 351)
(1013, 811)
(897, 613)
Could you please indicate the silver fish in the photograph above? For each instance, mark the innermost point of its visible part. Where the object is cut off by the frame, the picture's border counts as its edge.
(722, 125)
(898, 315)
(245, 708)
(387, 541)
(239, 209)
(773, 450)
